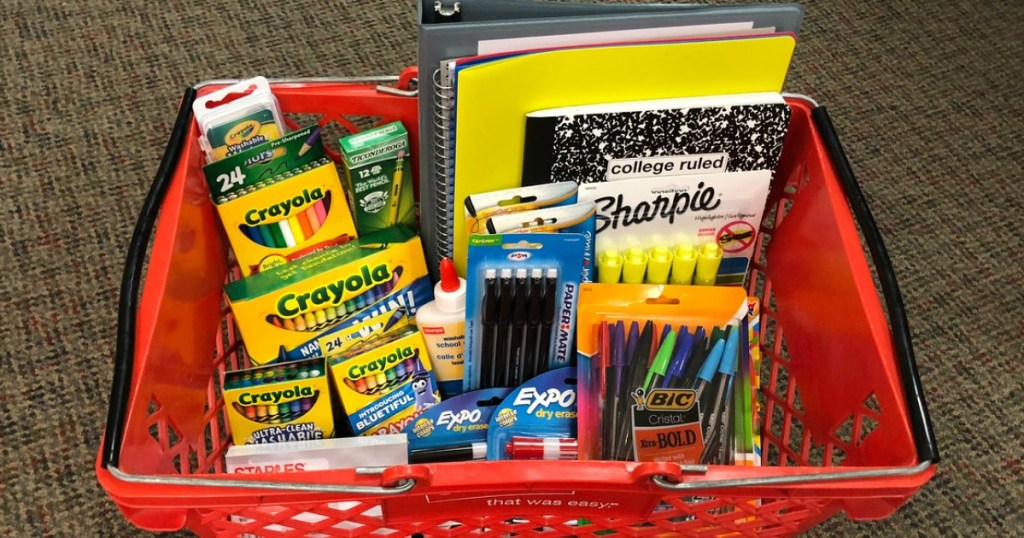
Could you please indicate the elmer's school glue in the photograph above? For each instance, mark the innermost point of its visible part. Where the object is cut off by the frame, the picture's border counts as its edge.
(443, 325)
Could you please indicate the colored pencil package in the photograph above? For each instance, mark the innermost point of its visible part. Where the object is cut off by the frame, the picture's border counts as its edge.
(294, 310)
(378, 177)
(521, 299)
(230, 126)
(281, 403)
(664, 373)
(280, 201)
(384, 384)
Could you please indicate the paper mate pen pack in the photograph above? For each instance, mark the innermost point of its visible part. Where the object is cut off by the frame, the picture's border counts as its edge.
(274, 404)
(520, 306)
(287, 309)
(455, 429)
(237, 117)
(378, 177)
(657, 368)
(699, 229)
(576, 218)
(536, 420)
(280, 201)
(384, 384)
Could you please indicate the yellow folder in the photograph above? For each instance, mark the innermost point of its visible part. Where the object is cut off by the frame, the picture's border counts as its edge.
(493, 98)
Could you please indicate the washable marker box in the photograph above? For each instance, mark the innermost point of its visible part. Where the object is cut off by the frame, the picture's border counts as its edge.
(280, 403)
(289, 307)
(385, 384)
(378, 177)
(280, 201)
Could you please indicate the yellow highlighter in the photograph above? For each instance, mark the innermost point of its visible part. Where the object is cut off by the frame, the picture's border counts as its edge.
(634, 266)
(659, 265)
(683, 263)
(708, 259)
(396, 188)
(609, 267)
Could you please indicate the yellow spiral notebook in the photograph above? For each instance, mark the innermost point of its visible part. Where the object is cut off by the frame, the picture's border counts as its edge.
(493, 98)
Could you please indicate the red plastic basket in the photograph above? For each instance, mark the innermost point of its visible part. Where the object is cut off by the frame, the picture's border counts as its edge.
(845, 426)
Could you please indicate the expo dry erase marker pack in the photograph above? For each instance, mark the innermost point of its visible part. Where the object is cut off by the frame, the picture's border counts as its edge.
(537, 420)
(231, 126)
(378, 177)
(455, 429)
(280, 200)
(658, 373)
(385, 383)
(290, 308)
(520, 306)
(279, 403)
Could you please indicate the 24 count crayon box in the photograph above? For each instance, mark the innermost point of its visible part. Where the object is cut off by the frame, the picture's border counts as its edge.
(273, 404)
(283, 312)
(280, 200)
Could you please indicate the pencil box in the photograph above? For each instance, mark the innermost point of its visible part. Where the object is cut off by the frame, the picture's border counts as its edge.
(280, 201)
(290, 311)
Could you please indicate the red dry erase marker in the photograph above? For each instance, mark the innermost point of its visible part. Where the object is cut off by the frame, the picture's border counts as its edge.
(542, 448)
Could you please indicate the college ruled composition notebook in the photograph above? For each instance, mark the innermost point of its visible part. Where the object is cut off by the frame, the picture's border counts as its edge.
(493, 99)
(496, 26)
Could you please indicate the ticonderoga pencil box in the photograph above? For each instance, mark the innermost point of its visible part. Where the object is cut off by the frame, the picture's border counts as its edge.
(286, 309)
(280, 200)
(273, 404)
(378, 178)
(385, 383)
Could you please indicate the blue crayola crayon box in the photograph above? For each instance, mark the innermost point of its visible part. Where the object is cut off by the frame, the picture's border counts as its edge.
(273, 404)
(295, 310)
(385, 383)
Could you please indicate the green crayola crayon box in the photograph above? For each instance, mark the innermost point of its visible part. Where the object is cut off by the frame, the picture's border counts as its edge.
(274, 404)
(280, 200)
(384, 384)
(288, 307)
(378, 177)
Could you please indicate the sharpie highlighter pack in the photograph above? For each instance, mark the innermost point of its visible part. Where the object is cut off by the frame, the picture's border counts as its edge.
(666, 373)
(520, 306)
(537, 420)
(280, 201)
(237, 117)
(455, 429)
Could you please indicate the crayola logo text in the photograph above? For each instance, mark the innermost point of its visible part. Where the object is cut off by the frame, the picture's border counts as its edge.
(242, 132)
(283, 208)
(379, 364)
(275, 396)
(293, 304)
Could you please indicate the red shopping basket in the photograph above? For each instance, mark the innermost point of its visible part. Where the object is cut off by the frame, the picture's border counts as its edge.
(844, 423)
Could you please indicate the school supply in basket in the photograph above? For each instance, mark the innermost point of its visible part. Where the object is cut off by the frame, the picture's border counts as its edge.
(443, 324)
(377, 183)
(452, 30)
(237, 117)
(455, 429)
(538, 412)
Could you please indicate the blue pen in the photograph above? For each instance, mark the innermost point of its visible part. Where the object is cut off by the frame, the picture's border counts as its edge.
(707, 370)
(614, 388)
(684, 347)
(723, 384)
(634, 337)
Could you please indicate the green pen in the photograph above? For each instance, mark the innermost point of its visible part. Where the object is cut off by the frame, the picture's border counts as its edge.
(657, 371)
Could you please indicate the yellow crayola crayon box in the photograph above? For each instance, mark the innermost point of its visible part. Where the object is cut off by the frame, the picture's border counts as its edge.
(280, 200)
(274, 404)
(385, 383)
(288, 311)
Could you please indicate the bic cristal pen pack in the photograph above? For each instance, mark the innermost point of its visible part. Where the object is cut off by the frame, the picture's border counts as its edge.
(665, 373)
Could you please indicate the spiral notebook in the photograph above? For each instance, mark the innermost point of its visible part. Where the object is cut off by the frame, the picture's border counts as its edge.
(451, 30)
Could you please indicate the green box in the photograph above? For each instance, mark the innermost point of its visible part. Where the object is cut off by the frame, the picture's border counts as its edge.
(378, 177)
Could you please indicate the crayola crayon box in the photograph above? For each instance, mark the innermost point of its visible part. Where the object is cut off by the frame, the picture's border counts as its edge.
(280, 200)
(385, 383)
(274, 404)
(299, 309)
(378, 179)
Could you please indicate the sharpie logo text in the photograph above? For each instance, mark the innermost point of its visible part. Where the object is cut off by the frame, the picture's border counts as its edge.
(613, 212)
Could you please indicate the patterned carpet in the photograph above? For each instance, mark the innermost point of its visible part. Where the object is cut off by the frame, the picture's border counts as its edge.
(926, 97)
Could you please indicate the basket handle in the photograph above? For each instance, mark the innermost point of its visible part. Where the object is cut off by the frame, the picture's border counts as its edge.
(128, 302)
(917, 407)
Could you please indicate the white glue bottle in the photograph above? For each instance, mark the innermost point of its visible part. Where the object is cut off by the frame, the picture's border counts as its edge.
(442, 322)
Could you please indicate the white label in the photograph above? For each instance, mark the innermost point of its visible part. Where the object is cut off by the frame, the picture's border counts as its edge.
(671, 165)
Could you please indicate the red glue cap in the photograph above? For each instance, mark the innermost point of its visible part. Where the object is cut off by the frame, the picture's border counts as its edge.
(449, 278)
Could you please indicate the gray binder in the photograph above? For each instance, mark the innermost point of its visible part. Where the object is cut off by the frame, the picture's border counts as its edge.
(452, 29)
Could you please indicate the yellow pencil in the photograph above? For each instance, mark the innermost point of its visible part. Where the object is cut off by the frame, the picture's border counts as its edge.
(396, 188)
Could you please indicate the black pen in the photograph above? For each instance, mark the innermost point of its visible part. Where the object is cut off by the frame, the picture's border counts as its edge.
(533, 318)
(467, 452)
(634, 380)
(517, 337)
(488, 319)
(548, 319)
(500, 357)
(697, 356)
